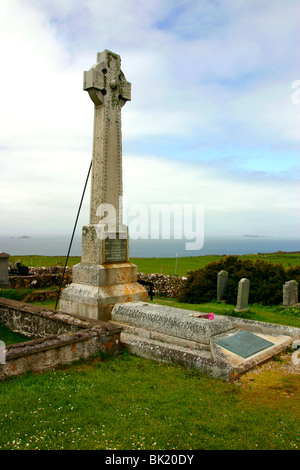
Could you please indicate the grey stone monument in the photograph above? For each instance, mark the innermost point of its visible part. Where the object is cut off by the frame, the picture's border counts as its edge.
(290, 293)
(243, 295)
(2, 352)
(104, 277)
(221, 284)
(4, 279)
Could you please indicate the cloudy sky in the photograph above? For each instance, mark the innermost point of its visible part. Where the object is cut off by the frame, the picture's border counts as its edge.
(214, 116)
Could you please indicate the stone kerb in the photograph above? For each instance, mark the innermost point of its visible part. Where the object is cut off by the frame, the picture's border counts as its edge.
(38, 322)
(47, 353)
(59, 338)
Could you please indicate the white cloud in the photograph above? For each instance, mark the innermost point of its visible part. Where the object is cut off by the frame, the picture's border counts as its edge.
(246, 200)
(209, 74)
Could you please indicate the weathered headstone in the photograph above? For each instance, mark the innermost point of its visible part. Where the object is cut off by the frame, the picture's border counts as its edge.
(243, 295)
(2, 352)
(104, 277)
(4, 279)
(221, 284)
(290, 293)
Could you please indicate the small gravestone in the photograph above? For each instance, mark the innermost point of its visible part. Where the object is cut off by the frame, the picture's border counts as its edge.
(243, 295)
(221, 284)
(290, 293)
(4, 280)
(2, 352)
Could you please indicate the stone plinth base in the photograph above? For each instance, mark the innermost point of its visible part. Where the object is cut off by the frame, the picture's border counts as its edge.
(97, 288)
(4, 280)
(5, 285)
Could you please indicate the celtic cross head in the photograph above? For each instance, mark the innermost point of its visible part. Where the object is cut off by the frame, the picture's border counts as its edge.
(105, 81)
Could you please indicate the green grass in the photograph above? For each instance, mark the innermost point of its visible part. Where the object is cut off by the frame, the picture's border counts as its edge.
(126, 402)
(9, 337)
(185, 264)
(162, 265)
(16, 294)
(45, 261)
(168, 265)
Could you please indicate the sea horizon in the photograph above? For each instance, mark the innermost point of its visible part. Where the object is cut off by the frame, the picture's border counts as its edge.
(39, 245)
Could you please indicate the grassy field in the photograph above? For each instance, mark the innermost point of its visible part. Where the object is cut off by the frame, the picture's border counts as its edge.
(126, 402)
(129, 403)
(163, 265)
(45, 261)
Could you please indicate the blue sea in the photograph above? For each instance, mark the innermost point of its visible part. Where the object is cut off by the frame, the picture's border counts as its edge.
(59, 245)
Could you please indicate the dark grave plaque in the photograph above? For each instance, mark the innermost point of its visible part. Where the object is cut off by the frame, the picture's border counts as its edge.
(244, 343)
(115, 250)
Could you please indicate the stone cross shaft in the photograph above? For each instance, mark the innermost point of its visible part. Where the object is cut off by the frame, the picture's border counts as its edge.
(109, 91)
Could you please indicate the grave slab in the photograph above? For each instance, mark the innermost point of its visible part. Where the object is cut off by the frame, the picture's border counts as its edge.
(223, 347)
(175, 322)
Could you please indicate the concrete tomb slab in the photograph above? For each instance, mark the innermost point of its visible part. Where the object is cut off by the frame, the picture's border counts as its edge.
(223, 347)
(170, 321)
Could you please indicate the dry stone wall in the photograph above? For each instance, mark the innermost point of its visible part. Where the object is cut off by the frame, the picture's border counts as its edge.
(41, 278)
(164, 285)
(37, 322)
(59, 338)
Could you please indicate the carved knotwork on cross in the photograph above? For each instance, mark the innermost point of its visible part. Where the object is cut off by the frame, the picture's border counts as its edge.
(109, 90)
(105, 81)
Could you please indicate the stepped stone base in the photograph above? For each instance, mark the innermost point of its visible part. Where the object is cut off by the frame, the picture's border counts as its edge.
(172, 335)
(97, 288)
(5, 285)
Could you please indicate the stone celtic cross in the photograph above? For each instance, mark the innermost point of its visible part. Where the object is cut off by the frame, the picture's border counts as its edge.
(104, 277)
(109, 91)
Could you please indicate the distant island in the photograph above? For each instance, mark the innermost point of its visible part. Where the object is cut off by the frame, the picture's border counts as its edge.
(256, 236)
(24, 236)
